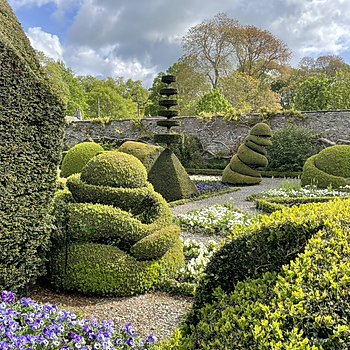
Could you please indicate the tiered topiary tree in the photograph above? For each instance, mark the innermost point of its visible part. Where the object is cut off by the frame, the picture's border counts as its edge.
(31, 133)
(167, 175)
(122, 236)
(250, 155)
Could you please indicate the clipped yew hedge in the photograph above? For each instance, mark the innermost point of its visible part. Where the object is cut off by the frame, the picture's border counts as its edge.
(31, 133)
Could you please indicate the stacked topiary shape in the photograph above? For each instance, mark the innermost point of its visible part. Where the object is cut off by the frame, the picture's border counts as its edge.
(250, 155)
(122, 236)
(330, 167)
(31, 132)
(167, 174)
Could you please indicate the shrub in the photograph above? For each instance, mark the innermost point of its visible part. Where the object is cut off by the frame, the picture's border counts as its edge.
(170, 179)
(330, 167)
(145, 153)
(189, 152)
(121, 239)
(78, 156)
(101, 269)
(291, 147)
(32, 126)
(250, 155)
(114, 169)
(300, 304)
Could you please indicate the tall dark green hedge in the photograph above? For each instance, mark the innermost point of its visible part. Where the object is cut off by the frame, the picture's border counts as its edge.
(31, 133)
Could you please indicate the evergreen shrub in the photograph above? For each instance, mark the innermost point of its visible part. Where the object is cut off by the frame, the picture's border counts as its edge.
(291, 147)
(330, 167)
(145, 153)
(295, 297)
(78, 156)
(31, 132)
(114, 227)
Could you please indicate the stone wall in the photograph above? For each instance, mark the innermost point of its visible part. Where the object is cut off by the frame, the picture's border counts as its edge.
(215, 135)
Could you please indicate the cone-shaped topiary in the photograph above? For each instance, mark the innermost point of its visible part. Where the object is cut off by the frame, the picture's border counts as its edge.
(31, 133)
(78, 156)
(330, 167)
(250, 155)
(170, 179)
(122, 236)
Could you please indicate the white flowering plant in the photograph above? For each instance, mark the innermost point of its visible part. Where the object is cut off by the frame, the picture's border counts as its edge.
(216, 219)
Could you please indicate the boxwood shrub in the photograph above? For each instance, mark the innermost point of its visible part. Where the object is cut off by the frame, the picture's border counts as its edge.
(31, 133)
(302, 303)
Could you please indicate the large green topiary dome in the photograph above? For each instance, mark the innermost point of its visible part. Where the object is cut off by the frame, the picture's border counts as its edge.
(78, 156)
(330, 167)
(115, 169)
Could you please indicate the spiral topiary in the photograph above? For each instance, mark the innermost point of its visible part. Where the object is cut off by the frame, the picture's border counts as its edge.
(122, 236)
(250, 155)
(330, 167)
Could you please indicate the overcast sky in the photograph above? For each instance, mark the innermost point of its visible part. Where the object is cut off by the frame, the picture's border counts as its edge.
(139, 38)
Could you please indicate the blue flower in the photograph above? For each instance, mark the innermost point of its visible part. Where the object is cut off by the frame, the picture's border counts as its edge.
(151, 338)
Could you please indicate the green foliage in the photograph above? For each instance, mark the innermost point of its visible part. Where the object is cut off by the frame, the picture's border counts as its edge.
(329, 167)
(290, 148)
(78, 156)
(313, 94)
(32, 127)
(250, 155)
(114, 169)
(65, 82)
(189, 152)
(156, 244)
(213, 102)
(145, 153)
(98, 269)
(298, 305)
(170, 179)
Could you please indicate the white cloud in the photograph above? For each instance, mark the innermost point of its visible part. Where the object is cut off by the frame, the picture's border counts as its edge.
(46, 42)
(138, 38)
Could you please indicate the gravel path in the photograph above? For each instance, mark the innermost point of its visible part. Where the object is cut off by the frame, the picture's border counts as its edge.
(154, 312)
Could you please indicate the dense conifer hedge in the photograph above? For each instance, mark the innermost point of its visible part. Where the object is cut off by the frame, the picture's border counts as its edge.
(31, 133)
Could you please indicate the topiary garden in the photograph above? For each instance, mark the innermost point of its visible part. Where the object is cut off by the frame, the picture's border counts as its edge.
(278, 282)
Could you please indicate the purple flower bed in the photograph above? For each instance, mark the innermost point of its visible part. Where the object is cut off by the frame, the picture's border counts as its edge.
(26, 325)
(210, 187)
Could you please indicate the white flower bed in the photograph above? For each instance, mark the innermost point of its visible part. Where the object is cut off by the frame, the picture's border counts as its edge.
(214, 218)
(307, 191)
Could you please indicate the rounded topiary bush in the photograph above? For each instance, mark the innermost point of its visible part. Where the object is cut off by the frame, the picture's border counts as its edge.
(330, 167)
(78, 156)
(250, 155)
(114, 169)
(145, 153)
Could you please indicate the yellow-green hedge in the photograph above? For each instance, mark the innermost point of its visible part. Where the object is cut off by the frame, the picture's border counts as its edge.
(98, 269)
(286, 288)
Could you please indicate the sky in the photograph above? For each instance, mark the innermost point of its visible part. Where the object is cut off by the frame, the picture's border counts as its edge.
(139, 38)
